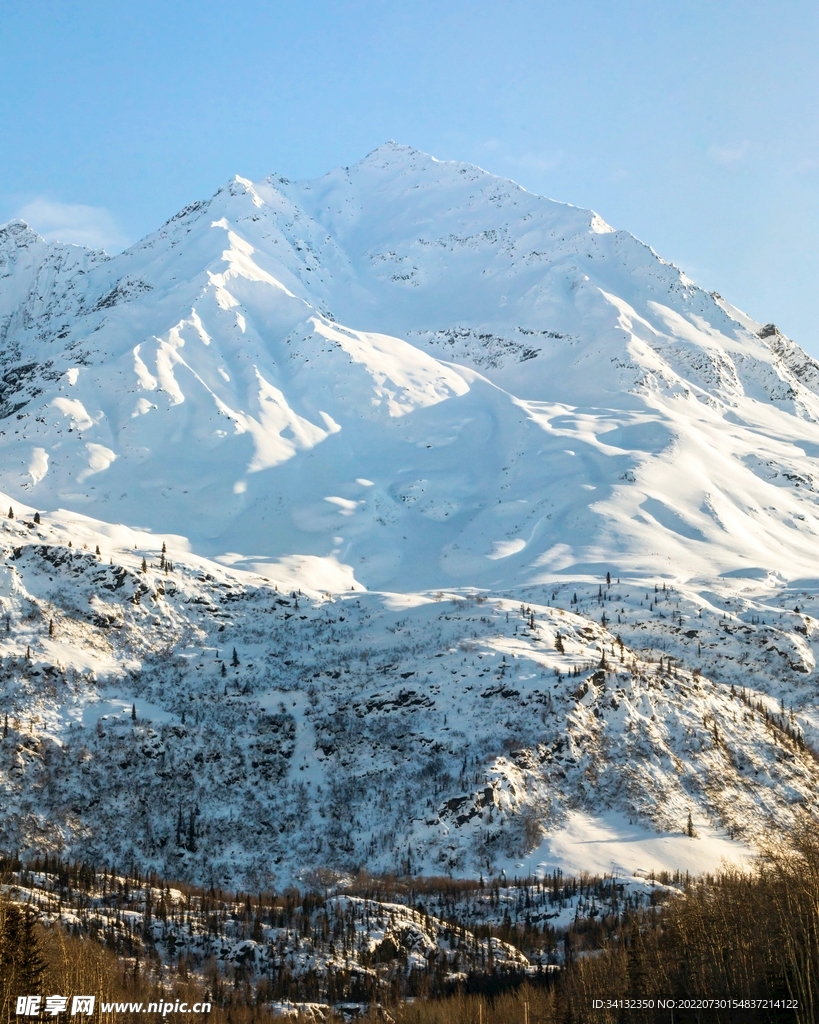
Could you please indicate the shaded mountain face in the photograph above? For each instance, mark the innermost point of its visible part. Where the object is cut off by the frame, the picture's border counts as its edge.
(203, 724)
(414, 371)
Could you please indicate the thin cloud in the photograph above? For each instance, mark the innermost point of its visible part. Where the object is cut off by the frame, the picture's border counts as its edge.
(731, 153)
(526, 161)
(807, 167)
(539, 162)
(92, 226)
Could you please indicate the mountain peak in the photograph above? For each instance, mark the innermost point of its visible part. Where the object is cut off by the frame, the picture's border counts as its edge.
(398, 156)
(17, 233)
(394, 151)
(359, 322)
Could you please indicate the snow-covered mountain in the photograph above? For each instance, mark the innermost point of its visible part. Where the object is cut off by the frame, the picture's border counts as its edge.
(456, 406)
(415, 371)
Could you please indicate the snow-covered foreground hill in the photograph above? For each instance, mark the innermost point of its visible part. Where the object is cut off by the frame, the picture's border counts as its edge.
(211, 724)
(395, 426)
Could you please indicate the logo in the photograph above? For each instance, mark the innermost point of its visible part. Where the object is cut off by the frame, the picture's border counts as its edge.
(29, 1006)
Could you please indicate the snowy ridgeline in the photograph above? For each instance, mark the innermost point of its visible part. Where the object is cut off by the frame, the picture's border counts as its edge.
(210, 725)
(405, 375)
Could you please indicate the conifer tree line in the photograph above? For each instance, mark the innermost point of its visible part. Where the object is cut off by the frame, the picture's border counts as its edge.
(739, 934)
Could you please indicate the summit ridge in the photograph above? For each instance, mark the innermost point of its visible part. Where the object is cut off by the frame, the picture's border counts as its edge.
(250, 321)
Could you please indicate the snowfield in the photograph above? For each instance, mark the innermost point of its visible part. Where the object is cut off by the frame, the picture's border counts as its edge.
(512, 529)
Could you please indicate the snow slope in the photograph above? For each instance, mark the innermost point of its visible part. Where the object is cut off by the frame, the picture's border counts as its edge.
(455, 406)
(437, 732)
(411, 369)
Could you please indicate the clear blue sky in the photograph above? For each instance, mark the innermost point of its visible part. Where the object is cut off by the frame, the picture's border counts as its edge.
(691, 124)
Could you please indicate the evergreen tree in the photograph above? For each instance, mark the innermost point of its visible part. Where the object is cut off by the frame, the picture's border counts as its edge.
(190, 845)
(6, 726)
(235, 660)
(133, 712)
(11, 512)
(636, 965)
(21, 959)
(30, 958)
(559, 643)
(144, 565)
(36, 517)
(51, 627)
